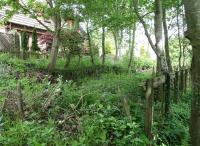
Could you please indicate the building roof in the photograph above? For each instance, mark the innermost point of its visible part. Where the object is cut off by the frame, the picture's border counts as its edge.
(25, 20)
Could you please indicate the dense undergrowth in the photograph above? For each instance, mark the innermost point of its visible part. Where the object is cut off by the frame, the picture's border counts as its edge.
(102, 109)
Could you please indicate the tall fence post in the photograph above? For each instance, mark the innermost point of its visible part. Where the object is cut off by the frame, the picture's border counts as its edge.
(148, 120)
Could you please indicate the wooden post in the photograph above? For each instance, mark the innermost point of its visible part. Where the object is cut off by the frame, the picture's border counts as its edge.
(148, 120)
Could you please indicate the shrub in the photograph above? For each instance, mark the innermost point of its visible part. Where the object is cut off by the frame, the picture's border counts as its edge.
(35, 41)
(102, 127)
(30, 133)
(24, 40)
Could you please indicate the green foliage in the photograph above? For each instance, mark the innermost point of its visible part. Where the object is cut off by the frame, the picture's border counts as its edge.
(175, 51)
(96, 102)
(24, 40)
(30, 133)
(108, 48)
(175, 129)
(104, 108)
(23, 65)
(89, 111)
(144, 63)
(34, 41)
(72, 41)
(105, 129)
(143, 52)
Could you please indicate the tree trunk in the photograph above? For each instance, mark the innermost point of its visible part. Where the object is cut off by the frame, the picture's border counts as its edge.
(103, 45)
(166, 41)
(184, 43)
(161, 60)
(115, 34)
(179, 37)
(158, 30)
(90, 45)
(195, 113)
(132, 47)
(120, 46)
(56, 43)
(129, 32)
(192, 9)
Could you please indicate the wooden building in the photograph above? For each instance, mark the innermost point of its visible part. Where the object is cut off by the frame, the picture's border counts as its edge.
(23, 23)
(19, 23)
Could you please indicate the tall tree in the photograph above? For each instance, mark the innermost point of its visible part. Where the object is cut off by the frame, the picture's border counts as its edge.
(165, 27)
(168, 7)
(96, 12)
(132, 46)
(90, 42)
(179, 35)
(115, 35)
(103, 45)
(161, 59)
(87, 14)
(192, 10)
(157, 47)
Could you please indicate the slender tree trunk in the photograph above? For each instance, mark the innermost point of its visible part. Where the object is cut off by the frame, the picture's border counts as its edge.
(129, 31)
(115, 34)
(166, 41)
(132, 46)
(161, 60)
(158, 26)
(192, 9)
(103, 45)
(56, 42)
(90, 45)
(184, 43)
(179, 37)
(120, 43)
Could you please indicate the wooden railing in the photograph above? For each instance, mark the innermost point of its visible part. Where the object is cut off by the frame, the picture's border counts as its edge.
(165, 88)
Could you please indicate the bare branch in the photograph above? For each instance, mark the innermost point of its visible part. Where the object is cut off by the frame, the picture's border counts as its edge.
(147, 14)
